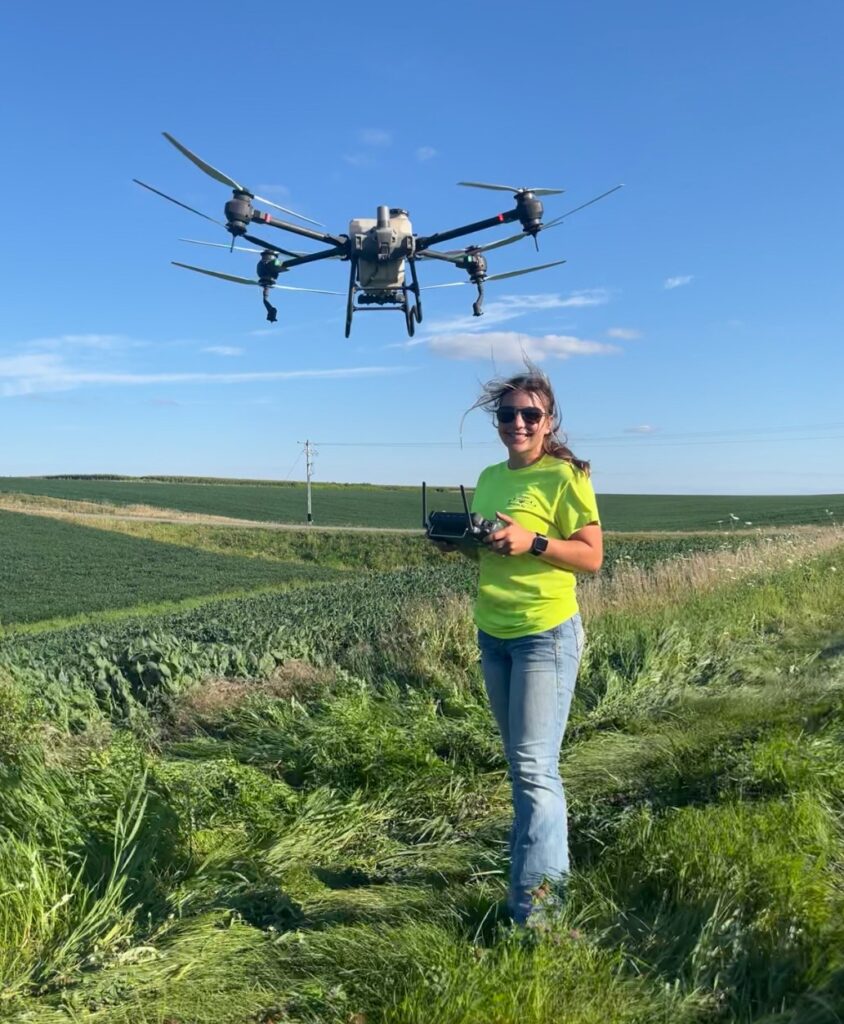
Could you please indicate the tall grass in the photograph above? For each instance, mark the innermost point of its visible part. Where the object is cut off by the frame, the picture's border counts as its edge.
(329, 844)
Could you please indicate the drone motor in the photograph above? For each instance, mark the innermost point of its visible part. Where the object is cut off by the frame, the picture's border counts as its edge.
(530, 211)
(239, 211)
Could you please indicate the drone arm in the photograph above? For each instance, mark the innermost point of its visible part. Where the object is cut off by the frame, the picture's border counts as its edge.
(312, 257)
(444, 236)
(297, 229)
(431, 254)
(268, 245)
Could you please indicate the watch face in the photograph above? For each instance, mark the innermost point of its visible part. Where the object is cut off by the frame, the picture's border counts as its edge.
(539, 545)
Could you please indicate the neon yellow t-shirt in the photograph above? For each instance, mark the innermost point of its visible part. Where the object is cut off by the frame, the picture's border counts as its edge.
(521, 594)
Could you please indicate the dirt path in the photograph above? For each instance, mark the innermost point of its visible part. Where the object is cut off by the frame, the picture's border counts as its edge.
(144, 514)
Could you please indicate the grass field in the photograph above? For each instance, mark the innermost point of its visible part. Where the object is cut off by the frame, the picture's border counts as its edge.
(322, 839)
(50, 569)
(292, 806)
(400, 507)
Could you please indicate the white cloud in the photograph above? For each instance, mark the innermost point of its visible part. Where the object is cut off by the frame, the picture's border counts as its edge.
(101, 342)
(425, 153)
(678, 282)
(273, 191)
(624, 333)
(31, 374)
(223, 350)
(642, 428)
(358, 159)
(513, 346)
(509, 307)
(375, 137)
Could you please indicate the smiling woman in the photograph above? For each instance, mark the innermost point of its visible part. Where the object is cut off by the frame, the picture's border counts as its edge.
(529, 628)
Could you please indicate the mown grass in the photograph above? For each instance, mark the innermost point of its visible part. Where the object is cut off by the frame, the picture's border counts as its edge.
(328, 843)
(400, 507)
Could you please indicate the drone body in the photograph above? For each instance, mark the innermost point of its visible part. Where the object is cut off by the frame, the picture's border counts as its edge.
(381, 252)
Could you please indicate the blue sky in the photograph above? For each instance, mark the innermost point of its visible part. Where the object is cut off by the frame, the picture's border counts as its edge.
(694, 334)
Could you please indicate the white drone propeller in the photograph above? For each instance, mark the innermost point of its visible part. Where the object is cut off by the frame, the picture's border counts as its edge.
(498, 277)
(224, 179)
(246, 280)
(229, 248)
(513, 189)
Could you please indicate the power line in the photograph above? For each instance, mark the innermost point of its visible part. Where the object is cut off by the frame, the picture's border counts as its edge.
(651, 440)
(295, 464)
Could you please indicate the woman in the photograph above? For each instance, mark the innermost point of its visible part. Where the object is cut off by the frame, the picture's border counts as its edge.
(529, 628)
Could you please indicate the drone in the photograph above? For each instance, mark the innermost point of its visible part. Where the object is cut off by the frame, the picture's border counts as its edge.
(380, 251)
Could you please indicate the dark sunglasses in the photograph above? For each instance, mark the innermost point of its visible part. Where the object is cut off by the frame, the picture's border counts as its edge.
(530, 414)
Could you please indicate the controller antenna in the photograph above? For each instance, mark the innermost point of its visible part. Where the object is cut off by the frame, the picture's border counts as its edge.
(469, 523)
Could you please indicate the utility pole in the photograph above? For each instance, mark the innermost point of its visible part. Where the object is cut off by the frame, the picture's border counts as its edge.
(309, 465)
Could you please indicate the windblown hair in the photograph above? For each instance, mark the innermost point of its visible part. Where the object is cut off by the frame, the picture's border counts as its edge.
(534, 382)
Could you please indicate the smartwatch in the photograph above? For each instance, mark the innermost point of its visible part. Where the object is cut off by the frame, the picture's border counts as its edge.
(540, 544)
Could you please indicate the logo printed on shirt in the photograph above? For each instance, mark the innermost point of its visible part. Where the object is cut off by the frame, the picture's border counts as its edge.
(526, 502)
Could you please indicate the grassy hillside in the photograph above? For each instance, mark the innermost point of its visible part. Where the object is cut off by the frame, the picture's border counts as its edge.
(400, 507)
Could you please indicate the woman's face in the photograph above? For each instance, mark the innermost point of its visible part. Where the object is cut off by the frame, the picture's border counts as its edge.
(523, 426)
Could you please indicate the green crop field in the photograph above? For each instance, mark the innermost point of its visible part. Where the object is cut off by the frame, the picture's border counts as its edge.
(400, 507)
(51, 569)
(294, 807)
(57, 569)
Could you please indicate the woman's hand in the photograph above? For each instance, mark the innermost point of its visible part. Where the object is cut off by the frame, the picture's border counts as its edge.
(512, 539)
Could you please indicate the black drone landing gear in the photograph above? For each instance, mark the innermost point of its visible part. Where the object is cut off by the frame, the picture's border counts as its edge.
(478, 304)
(411, 318)
(403, 298)
(272, 312)
(350, 303)
(414, 287)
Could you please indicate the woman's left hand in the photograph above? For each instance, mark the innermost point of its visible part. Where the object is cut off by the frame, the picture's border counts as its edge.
(512, 539)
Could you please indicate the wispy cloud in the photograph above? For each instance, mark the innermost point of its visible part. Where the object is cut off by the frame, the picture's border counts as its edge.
(642, 428)
(223, 350)
(273, 191)
(100, 342)
(679, 281)
(424, 153)
(31, 374)
(375, 137)
(358, 159)
(513, 346)
(509, 307)
(624, 333)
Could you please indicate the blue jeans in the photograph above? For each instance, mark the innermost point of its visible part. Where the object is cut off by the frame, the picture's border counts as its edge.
(530, 682)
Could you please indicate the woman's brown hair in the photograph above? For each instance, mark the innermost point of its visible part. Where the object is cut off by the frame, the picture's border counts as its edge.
(534, 382)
